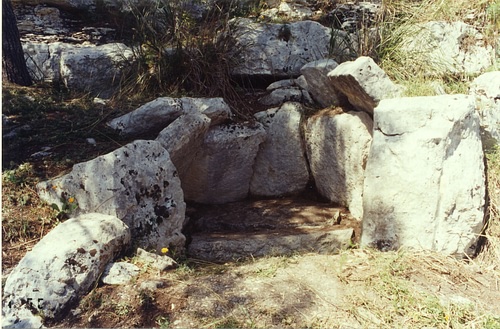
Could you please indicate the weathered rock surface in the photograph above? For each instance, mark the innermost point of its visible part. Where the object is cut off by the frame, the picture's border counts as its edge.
(486, 90)
(443, 48)
(363, 82)
(61, 268)
(290, 10)
(280, 166)
(44, 60)
(318, 84)
(215, 247)
(183, 138)
(159, 262)
(119, 273)
(280, 50)
(154, 116)
(94, 69)
(137, 183)
(282, 95)
(337, 147)
(222, 170)
(424, 181)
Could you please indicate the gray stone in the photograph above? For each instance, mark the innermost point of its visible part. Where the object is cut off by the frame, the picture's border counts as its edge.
(280, 50)
(94, 69)
(424, 183)
(364, 83)
(183, 138)
(282, 95)
(222, 170)
(214, 247)
(280, 166)
(159, 262)
(486, 90)
(63, 266)
(154, 116)
(119, 273)
(44, 60)
(136, 183)
(439, 48)
(337, 148)
(318, 84)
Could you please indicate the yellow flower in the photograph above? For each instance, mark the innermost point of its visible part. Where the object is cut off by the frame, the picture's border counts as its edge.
(71, 200)
(54, 187)
(164, 250)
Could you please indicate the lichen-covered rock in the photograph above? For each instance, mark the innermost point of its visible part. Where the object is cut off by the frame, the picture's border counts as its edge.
(222, 170)
(137, 183)
(61, 268)
(119, 273)
(280, 166)
(364, 83)
(424, 180)
(337, 148)
(154, 116)
(280, 50)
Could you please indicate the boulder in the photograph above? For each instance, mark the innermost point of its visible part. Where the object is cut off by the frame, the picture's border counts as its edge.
(154, 116)
(424, 181)
(159, 262)
(338, 144)
(119, 273)
(290, 10)
(280, 167)
(61, 268)
(363, 82)
(137, 183)
(96, 70)
(222, 170)
(280, 50)
(486, 90)
(318, 84)
(282, 95)
(44, 60)
(440, 48)
(183, 138)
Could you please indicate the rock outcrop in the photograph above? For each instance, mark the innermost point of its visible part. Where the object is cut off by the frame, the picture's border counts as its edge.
(338, 144)
(61, 268)
(316, 75)
(424, 184)
(137, 183)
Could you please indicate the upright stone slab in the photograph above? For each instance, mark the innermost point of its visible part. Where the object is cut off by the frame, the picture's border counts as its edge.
(486, 90)
(318, 84)
(61, 268)
(425, 182)
(137, 183)
(222, 170)
(364, 83)
(183, 138)
(338, 144)
(280, 167)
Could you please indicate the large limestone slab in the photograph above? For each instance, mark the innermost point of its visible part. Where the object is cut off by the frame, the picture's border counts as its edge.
(61, 268)
(364, 83)
(222, 170)
(338, 144)
(94, 69)
(281, 166)
(280, 50)
(229, 247)
(486, 90)
(154, 116)
(425, 182)
(318, 84)
(137, 183)
(183, 138)
(44, 60)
